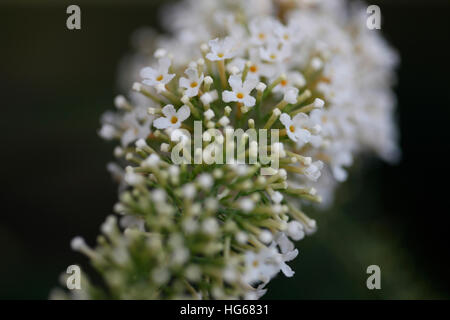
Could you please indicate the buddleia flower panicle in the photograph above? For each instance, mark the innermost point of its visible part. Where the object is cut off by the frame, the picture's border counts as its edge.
(202, 229)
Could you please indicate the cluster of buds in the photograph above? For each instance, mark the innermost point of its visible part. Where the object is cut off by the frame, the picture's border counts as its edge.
(206, 225)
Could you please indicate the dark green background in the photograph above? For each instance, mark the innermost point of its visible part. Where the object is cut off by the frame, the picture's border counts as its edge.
(55, 84)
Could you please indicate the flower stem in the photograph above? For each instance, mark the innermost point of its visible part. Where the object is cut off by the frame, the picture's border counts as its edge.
(223, 77)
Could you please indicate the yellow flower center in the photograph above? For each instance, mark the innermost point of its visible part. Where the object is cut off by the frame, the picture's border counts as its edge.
(160, 77)
(220, 55)
(194, 84)
(240, 95)
(291, 128)
(273, 56)
(253, 68)
(261, 36)
(174, 120)
(284, 83)
(255, 263)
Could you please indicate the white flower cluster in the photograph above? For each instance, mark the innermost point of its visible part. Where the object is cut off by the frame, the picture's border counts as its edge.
(327, 38)
(307, 68)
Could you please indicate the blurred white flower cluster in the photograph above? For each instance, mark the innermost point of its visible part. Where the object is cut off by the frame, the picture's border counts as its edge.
(307, 68)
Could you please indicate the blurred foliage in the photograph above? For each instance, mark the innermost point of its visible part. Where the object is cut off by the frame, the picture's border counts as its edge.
(354, 234)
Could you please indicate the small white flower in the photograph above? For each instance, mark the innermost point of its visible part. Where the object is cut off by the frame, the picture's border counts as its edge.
(192, 82)
(261, 87)
(241, 237)
(322, 127)
(133, 178)
(109, 225)
(172, 118)
(190, 225)
(160, 53)
(208, 80)
(261, 266)
(274, 51)
(291, 95)
(221, 49)
(210, 226)
(230, 274)
(265, 237)
(277, 197)
(209, 97)
(312, 172)
(108, 132)
(295, 230)
(152, 161)
(165, 147)
(294, 127)
(293, 79)
(256, 67)
(287, 34)
(189, 191)
(319, 103)
(138, 126)
(261, 30)
(316, 63)
(159, 76)
(211, 204)
(253, 149)
(282, 173)
(180, 256)
(196, 209)
(340, 157)
(246, 204)
(77, 243)
(259, 291)
(140, 143)
(160, 275)
(180, 135)
(120, 102)
(131, 126)
(288, 253)
(234, 70)
(193, 273)
(278, 149)
(159, 195)
(118, 152)
(241, 91)
(174, 170)
(238, 168)
(205, 181)
(209, 114)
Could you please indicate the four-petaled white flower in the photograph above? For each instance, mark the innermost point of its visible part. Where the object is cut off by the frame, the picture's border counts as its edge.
(262, 30)
(288, 253)
(288, 34)
(257, 68)
(172, 119)
(293, 79)
(221, 49)
(138, 126)
(274, 51)
(158, 77)
(192, 82)
(262, 265)
(295, 127)
(241, 91)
